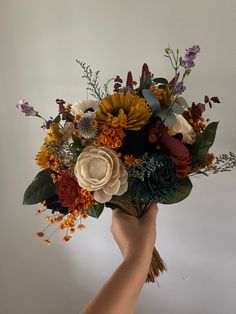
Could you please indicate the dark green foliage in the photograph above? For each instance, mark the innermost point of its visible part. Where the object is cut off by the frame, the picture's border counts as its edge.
(41, 188)
(183, 189)
(204, 141)
(95, 210)
(53, 204)
(157, 185)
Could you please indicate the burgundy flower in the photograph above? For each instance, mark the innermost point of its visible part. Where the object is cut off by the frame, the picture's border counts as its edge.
(129, 81)
(173, 146)
(67, 190)
(145, 71)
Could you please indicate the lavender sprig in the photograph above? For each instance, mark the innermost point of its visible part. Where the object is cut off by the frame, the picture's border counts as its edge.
(24, 106)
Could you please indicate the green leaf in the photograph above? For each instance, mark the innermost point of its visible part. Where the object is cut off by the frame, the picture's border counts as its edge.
(152, 100)
(182, 191)
(204, 141)
(167, 116)
(160, 80)
(57, 119)
(40, 189)
(95, 210)
(179, 105)
(182, 102)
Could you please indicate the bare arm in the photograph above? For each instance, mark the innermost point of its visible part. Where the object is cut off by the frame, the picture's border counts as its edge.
(135, 238)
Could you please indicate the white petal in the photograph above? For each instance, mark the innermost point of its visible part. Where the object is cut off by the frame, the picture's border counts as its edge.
(112, 189)
(123, 189)
(102, 197)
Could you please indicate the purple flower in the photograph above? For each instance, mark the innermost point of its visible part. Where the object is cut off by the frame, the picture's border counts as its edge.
(179, 88)
(47, 124)
(190, 55)
(24, 106)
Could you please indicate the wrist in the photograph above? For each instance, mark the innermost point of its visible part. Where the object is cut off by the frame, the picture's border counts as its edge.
(140, 255)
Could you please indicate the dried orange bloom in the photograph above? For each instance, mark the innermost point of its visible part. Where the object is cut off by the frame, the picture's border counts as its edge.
(94, 123)
(130, 160)
(165, 96)
(40, 234)
(111, 137)
(72, 230)
(66, 238)
(152, 138)
(75, 132)
(206, 163)
(46, 241)
(153, 133)
(80, 226)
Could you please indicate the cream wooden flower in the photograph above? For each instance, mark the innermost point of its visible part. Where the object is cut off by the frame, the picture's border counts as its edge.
(84, 106)
(99, 169)
(182, 126)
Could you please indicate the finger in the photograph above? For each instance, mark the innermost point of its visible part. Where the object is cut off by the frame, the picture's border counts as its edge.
(151, 212)
(118, 212)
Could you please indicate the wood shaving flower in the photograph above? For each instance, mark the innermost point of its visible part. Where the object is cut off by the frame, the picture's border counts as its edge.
(182, 126)
(99, 169)
(81, 107)
(123, 110)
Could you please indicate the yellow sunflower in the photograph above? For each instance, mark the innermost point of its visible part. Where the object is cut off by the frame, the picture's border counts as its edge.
(46, 159)
(53, 135)
(123, 110)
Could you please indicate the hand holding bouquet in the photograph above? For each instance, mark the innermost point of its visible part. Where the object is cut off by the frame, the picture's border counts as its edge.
(137, 145)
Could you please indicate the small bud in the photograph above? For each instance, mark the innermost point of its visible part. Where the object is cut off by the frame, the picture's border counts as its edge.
(40, 234)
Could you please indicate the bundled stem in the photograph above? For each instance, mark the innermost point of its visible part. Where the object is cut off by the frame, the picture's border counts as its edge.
(157, 265)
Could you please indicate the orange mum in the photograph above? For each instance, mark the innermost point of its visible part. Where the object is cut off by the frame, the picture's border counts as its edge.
(111, 137)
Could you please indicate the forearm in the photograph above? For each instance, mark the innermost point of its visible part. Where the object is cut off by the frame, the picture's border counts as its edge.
(120, 292)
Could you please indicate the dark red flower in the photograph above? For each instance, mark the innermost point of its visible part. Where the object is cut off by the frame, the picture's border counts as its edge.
(129, 81)
(173, 146)
(67, 190)
(145, 71)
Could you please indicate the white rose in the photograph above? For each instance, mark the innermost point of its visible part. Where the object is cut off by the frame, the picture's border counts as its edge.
(99, 169)
(83, 106)
(182, 126)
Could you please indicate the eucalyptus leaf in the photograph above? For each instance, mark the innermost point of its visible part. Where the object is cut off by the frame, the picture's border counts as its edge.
(152, 100)
(204, 141)
(40, 189)
(182, 102)
(182, 191)
(95, 210)
(167, 116)
(177, 108)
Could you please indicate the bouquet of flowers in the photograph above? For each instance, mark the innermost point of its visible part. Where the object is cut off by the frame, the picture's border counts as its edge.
(139, 144)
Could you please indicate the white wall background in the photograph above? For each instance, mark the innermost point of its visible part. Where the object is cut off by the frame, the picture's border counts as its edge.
(40, 41)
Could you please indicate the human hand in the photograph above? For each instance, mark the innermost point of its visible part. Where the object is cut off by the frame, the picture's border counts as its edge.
(135, 236)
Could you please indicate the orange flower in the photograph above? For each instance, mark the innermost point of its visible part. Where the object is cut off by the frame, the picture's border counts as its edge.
(183, 166)
(130, 160)
(111, 137)
(165, 96)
